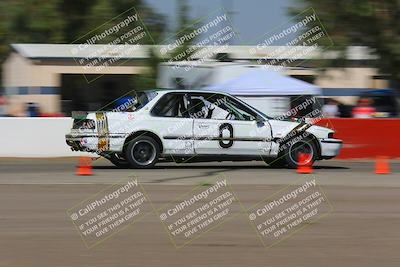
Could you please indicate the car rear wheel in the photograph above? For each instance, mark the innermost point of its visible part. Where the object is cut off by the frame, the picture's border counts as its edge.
(142, 152)
(306, 147)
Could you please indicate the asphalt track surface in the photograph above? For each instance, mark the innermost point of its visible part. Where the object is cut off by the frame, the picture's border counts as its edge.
(362, 229)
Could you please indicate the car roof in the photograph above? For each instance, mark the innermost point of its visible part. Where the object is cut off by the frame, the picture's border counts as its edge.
(164, 91)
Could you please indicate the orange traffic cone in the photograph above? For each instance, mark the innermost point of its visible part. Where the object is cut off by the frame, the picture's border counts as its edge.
(84, 167)
(382, 165)
(304, 166)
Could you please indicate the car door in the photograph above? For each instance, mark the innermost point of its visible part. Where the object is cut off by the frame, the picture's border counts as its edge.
(225, 126)
(171, 118)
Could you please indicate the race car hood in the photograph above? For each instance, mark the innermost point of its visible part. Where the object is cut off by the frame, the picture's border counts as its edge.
(280, 129)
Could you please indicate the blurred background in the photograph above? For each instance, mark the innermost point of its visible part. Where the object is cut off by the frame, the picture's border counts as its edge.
(357, 71)
(348, 58)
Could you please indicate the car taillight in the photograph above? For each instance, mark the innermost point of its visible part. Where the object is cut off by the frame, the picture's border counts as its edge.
(83, 124)
(330, 135)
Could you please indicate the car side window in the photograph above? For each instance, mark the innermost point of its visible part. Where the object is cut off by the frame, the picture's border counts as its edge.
(171, 105)
(238, 111)
(218, 107)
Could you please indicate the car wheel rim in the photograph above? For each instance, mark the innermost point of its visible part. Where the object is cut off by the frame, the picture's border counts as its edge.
(301, 147)
(143, 152)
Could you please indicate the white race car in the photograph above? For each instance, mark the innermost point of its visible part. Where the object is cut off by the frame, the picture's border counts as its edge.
(195, 126)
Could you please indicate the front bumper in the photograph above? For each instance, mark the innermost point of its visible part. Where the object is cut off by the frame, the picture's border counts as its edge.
(330, 147)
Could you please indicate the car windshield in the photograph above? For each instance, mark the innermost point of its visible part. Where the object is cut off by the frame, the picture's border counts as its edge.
(255, 109)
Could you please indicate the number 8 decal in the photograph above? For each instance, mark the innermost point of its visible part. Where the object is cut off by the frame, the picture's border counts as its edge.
(229, 127)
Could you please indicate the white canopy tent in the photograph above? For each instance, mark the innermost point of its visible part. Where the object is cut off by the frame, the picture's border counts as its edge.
(267, 90)
(264, 82)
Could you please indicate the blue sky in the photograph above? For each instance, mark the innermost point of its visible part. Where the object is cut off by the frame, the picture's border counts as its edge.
(252, 18)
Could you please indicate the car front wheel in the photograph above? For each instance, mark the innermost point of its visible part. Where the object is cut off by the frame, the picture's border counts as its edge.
(295, 149)
(142, 152)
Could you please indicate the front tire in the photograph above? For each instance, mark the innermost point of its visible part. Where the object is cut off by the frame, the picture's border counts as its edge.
(304, 146)
(142, 152)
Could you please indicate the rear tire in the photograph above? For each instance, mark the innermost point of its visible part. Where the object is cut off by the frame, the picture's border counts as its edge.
(142, 152)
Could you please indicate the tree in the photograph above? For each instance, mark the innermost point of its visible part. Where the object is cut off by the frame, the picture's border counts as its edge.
(57, 21)
(184, 28)
(29, 21)
(372, 23)
(97, 20)
(148, 80)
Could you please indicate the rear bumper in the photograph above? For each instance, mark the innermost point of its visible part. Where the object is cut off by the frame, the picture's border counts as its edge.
(330, 147)
(95, 143)
(79, 142)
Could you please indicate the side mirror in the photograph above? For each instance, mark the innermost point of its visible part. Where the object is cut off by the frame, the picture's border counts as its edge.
(260, 121)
